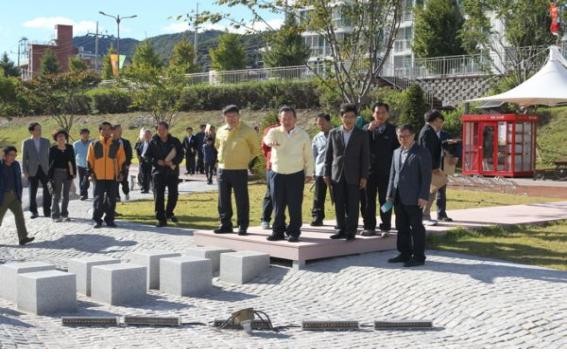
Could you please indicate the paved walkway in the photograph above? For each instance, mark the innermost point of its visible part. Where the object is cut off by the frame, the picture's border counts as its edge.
(473, 302)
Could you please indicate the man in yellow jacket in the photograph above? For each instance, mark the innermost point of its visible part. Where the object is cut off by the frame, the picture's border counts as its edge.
(106, 162)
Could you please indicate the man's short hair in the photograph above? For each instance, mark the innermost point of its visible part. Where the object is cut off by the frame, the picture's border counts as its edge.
(230, 108)
(189, 128)
(59, 132)
(9, 149)
(116, 126)
(406, 127)
(323, 115)
(105, 123)
(379, 104)
(84, 130)
(203, 126)
(163, 124)
(286, 108)
(433, 115)
(32, 126)
(348, 107)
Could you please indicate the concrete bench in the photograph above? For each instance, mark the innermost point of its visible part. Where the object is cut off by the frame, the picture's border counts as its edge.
(47, 292)
(212, 253)
(9, 276)
(82, 267)
(186, 276)
(241, 267)
(118, 284)
(151, 259)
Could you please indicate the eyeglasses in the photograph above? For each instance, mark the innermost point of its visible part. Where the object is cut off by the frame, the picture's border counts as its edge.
(405, 136)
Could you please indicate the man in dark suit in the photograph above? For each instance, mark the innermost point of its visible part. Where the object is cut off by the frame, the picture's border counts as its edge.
(190, 148)
(35, 164)
(408, 190)
(383, 141)
(117, 135)
(346, 170)
(199, 141)
(430, 139)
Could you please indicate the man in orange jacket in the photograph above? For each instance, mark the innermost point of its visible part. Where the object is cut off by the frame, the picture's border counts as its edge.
(106, 162)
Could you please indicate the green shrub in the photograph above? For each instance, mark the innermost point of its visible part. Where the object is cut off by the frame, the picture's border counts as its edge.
(453, 122)
(110, 101)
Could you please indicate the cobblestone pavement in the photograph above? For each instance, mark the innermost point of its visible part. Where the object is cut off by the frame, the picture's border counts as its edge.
(473, 302)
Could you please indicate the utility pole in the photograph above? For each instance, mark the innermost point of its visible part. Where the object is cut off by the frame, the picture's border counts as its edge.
(118, 19)
(196, 35)
(96, 48)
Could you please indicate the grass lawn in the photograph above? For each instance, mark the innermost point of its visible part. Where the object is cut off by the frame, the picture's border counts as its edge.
(544, 246)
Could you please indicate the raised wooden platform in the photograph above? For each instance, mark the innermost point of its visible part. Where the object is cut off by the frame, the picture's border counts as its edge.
(314, 244)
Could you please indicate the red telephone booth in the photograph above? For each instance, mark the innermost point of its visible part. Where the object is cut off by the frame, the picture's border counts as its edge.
(499, 145)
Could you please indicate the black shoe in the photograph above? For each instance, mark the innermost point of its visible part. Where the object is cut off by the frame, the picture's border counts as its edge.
(221, 230)
(293, 239)
(83, 198)
(145, 192)
(413, 262)
(444, 219)
(34, 215)
(98, 225)
(385, 228)
(317, 223)
(368, 233)
(242, 231)
(276, 237)
(111, 224)
(161, 223)
(350, 237)
(47, 215)
(399, 259)
(173, 219)
(338, 235)
(26, 240)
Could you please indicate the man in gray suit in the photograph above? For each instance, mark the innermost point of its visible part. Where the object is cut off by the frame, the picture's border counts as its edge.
(408, 190)
(35, 164)
(346, 170)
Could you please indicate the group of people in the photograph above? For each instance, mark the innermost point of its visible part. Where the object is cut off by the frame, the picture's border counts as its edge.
(355, 165)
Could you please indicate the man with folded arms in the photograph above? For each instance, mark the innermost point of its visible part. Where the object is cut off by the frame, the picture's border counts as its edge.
(292, 166)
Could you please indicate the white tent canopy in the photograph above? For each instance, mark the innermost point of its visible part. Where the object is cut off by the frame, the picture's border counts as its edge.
(547, 87)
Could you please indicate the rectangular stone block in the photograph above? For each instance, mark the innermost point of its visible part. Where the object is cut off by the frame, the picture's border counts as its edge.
(47, 292)
(82, 268)
(212, 253)
(119, 284)
(9, 276)
(186, 276)
(241, 267)
(151, 259)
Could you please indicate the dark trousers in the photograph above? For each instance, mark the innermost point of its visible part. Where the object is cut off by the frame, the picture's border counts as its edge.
(227, 181)
(376, 186)
(267, 204)
(124, 183)
(40, 176)
(104, 200)
(161, 182)
(442, 202)
(84, 182)
(411, 233)
(12, 203)
(209, 171)
(190, 162)
(318, 210)
(287, 191)
(145, 175)
(347, 199)
(200, 162)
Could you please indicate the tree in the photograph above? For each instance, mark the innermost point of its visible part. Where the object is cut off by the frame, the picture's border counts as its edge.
(77, 65)
(8, 66)
(436, 29)
(356, 58)
(229, 54)
(414, 107)
(106, 72)
(146, 56)
(286, 46)
(49, 63)
(183, 57)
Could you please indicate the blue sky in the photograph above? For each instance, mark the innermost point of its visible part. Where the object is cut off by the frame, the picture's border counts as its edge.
(35, 19)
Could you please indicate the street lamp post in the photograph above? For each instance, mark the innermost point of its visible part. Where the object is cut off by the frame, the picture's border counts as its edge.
(118, 19)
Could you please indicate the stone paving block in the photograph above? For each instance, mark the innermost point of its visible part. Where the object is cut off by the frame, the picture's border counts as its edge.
(151, 259)
(186, 276)
(212, 253)
(47, 292)
(9, 276)
(241, 267)
(119, 284)
(82, 268)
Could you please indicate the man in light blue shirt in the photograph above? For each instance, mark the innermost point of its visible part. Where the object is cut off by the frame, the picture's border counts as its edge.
(81, 147)
(323, 121)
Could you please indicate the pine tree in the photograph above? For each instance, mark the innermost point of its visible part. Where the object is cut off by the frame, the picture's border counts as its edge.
(286, 46)
(77, 65)
(229, 54)
(183, 57)
(146, 56)
(49, 63)
(414, 107)
(8, 66)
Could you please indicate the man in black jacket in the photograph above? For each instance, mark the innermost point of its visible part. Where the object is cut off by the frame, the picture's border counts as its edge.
(165, 153)
(190, 148)
(383, 141)
(199, 141)
(117, 135)
(430, 139)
